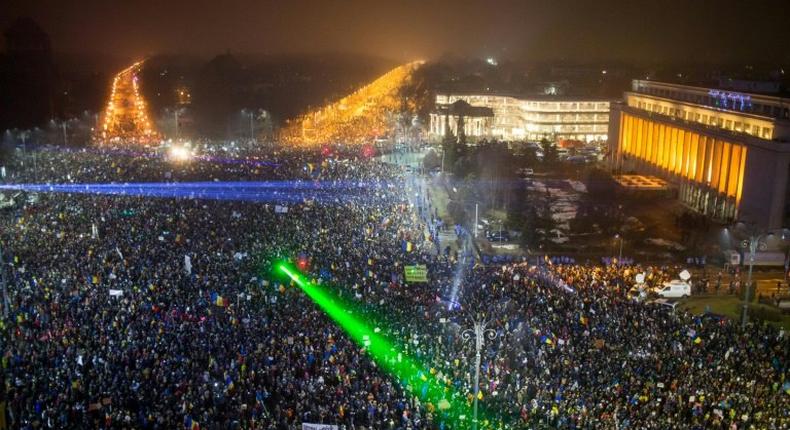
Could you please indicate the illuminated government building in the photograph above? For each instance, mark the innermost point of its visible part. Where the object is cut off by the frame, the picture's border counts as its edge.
(530, 118)
(727, 152)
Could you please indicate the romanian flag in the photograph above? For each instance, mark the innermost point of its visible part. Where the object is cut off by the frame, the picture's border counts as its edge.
(190, 424)
(218, 300)
(409, 246)
(95, 279)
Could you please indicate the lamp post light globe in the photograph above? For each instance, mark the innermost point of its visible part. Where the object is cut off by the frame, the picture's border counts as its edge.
(752, 244)
(479, 332)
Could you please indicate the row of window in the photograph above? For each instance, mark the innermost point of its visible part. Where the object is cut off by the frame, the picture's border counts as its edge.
(712, 120)
(514, 103)
(568, 117)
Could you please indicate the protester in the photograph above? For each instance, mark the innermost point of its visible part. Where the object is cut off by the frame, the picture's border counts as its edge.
(140, 312)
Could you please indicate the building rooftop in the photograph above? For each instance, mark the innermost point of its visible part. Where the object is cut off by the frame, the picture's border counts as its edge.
(525, 96)
(462, 108)
(755, 89)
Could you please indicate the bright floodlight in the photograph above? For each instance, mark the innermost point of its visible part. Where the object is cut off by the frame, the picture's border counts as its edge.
(179, 153)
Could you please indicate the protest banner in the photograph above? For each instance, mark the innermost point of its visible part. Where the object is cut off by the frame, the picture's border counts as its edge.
(416, 273)
(309, 426)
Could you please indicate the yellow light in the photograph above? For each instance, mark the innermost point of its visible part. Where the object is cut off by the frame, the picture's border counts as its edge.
(357, 118)
(179, 153)
(120, 121)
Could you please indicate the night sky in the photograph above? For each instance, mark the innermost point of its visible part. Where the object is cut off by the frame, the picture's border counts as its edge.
(584, 30)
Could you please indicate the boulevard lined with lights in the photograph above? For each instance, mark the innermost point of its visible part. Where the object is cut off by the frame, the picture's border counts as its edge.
(126, 115)
(363, 115)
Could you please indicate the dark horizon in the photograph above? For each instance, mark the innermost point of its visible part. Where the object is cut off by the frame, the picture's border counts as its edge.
(723, 31)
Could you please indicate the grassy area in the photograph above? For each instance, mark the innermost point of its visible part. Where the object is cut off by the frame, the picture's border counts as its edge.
(730, 306)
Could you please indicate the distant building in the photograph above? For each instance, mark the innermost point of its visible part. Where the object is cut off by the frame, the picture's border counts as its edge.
(27, 76)
(529, 118)
(475, 120)
(728, 152)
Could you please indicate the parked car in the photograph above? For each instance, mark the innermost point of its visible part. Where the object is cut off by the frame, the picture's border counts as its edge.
(497, 236)
(674, 289)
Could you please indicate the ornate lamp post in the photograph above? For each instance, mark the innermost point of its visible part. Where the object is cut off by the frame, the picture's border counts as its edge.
(753, 243)
(479, 332)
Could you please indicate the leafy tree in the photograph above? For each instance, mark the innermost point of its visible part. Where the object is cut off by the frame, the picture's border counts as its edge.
(517, 211)
(597, 205)
(431, 160)
(550, 155)
(461, 131)
(449, 148)
(457, 212)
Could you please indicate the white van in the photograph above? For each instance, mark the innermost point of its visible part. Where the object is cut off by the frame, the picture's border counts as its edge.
(675, 289)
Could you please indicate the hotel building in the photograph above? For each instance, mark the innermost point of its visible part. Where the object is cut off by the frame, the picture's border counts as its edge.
(525, 118)
(727, 152)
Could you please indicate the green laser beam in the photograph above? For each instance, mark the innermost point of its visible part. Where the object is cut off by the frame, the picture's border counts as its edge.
(412, 375)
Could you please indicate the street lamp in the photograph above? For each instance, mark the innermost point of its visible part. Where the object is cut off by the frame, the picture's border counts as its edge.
(176, 112)
(754, 242)
(443, 160)
(479, 332)
(24, 135)
(620, 256)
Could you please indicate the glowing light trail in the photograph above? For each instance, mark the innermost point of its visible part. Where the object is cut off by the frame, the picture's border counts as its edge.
(409, 372)
(327, 192)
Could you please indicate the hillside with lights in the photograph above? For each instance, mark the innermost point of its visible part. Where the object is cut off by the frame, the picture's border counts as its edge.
(368, 113)
(126, 115)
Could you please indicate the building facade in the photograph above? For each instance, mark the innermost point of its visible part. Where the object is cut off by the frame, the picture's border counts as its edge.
(728, 153)
(528, 118)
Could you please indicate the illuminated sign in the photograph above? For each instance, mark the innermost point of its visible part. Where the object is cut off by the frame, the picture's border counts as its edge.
(728, 100)
(416, 273)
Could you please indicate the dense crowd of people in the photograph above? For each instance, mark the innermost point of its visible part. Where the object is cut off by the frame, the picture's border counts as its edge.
(139, 312)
